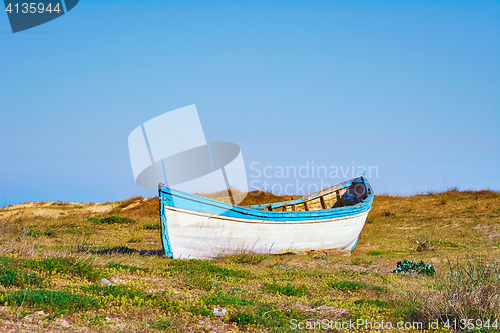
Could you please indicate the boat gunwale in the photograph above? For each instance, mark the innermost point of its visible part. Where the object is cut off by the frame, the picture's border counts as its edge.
(281, 215)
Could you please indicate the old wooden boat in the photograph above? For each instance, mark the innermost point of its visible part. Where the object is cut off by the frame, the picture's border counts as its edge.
(197, 227)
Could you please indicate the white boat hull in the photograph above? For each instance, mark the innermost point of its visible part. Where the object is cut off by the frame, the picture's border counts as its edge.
(202, 235)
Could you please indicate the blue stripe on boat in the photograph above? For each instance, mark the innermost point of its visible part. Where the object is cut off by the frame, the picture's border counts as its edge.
(173, 198)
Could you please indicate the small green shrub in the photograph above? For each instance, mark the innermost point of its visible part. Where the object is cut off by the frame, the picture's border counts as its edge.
(409, 266)
(288, 290)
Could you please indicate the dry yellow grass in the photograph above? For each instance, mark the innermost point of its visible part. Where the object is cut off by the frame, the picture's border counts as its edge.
(174, 296)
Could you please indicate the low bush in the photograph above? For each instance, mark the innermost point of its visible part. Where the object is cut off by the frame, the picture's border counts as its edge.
(409, 266)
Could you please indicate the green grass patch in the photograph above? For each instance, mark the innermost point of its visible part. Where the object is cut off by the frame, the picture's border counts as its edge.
(170, 305)
(248, 259)
(83, 268)
(111, 220)
(243, 319)
(288, 290)
(355, 285)
(117, 292)
(227, 300)
(379, 303)
(134, 240)
(19, 278)
(447, 243)
(151, 226)
(202, 274)
(114, 250)
(268, 316)
(348, 285)
(59, 265)
(160, 324)
(54, 301)
(197, 267)
(125, 267)
(200, 311)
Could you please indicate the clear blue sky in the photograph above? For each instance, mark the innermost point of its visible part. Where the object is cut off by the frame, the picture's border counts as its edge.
(412, 88)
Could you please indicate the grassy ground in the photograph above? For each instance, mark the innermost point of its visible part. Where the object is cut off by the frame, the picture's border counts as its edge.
(53, 257)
